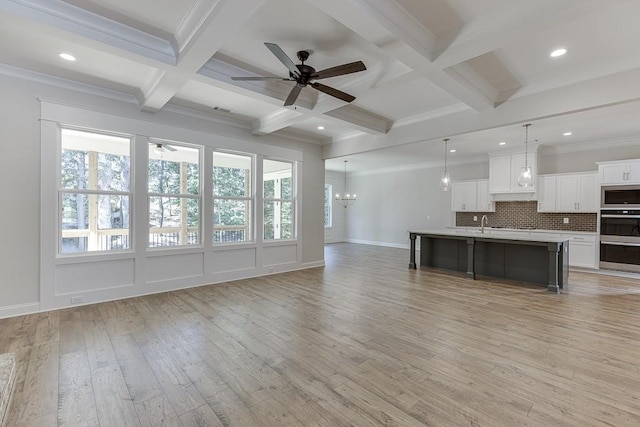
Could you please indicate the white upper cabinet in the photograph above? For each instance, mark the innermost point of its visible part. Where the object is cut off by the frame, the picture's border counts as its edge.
(505, 169)
(500, 174)
(463, 196)
(547, 193)
(471, 196)
(619, 172)
(484, 198)
(568, 193)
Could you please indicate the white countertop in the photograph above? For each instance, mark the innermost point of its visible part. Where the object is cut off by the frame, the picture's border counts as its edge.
(525, 230)
(502, 235)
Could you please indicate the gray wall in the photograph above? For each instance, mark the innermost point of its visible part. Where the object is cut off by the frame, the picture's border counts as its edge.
(392, 202)
(336, 233)
(20, 175)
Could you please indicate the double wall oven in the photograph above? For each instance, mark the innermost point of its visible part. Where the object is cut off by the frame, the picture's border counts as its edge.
(620, 228)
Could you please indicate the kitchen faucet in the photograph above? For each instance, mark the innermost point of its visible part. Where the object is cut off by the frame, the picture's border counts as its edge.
(484, 217)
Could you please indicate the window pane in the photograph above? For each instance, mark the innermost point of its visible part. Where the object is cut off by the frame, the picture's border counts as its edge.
(277, 179)
(231, 221)
(231, 175)
(111, 231)
(94, 161)
(269, 189)
(166, 167)
(278, 220)
(173, 221)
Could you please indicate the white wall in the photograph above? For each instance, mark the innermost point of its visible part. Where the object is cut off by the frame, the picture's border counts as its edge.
(336, 233)
(20, 148)
(392, 202)
(585, 160)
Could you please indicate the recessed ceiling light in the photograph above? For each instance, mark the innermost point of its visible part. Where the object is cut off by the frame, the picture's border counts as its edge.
(558, 52)
(320, 127)
(453, 150)
(502, 143)
(567, 134)
(67, 56)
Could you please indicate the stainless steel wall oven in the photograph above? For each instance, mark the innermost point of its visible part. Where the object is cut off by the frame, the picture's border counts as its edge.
(620, 239)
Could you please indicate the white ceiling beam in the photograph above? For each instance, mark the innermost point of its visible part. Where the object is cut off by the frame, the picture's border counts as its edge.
(602, 92)
(411, 43)
(223, 20)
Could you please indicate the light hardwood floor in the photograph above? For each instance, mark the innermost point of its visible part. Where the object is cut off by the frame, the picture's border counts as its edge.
(363, 341)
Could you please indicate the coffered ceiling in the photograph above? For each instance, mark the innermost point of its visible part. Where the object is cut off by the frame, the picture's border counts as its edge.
(471, 70)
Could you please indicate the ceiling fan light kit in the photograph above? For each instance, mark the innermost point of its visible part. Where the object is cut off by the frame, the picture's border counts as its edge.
(305, 75)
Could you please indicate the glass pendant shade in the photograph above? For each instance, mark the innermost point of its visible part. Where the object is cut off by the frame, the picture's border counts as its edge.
(445, 179)
(525, 179)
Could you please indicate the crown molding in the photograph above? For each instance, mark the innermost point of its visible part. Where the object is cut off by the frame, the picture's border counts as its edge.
(633, 140)
(433, 114)
(63, 83)
(87, 24)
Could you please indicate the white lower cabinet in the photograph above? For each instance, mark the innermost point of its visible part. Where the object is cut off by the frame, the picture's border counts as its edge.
(582, 251)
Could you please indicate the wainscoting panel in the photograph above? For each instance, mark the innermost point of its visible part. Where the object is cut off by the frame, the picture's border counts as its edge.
(170, 267)
(94, 276)
(281, 254)
(233, 260)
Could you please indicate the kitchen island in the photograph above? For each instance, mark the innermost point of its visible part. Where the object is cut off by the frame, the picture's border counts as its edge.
(539, 259)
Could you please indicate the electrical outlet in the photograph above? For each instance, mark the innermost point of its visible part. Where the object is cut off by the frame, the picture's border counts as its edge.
(565, 220)
(77, 299)
(475, 217)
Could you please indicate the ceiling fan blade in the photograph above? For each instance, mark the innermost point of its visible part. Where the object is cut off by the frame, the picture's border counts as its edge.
(340, 70)
(258, 78)
(333, 92)
(279, 53)
(293, 95)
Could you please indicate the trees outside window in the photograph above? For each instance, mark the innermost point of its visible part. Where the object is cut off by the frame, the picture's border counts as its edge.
(94, 192)
(279, 202)
(232, 197)
(174, 195)
(328, 205)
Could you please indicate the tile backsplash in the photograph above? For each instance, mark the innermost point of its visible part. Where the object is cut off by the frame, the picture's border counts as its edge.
(525, 215)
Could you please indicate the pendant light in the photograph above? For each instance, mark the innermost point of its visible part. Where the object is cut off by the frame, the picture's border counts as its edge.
(346, 199)
(445, 179)
(525, 179)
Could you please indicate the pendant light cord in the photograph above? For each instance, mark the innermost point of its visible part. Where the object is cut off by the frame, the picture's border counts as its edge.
(526, 144)
(445, 154)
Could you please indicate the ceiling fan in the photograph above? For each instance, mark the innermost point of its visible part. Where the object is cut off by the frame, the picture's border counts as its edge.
(304, 75)
(161, 148)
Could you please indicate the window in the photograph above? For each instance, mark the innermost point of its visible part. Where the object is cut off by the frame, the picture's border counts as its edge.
(174, 195)
(328, 205)
(94, 193)
(232, 198)
(278, 194)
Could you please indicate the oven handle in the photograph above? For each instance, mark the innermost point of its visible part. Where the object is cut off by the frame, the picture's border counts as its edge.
(619, 243)
(619, 216)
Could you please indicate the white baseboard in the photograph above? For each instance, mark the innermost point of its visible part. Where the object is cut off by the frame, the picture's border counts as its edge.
(19, 309)
(385, 244)
(312, 264)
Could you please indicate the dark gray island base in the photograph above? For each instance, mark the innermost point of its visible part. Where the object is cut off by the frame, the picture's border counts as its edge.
(533, 259)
